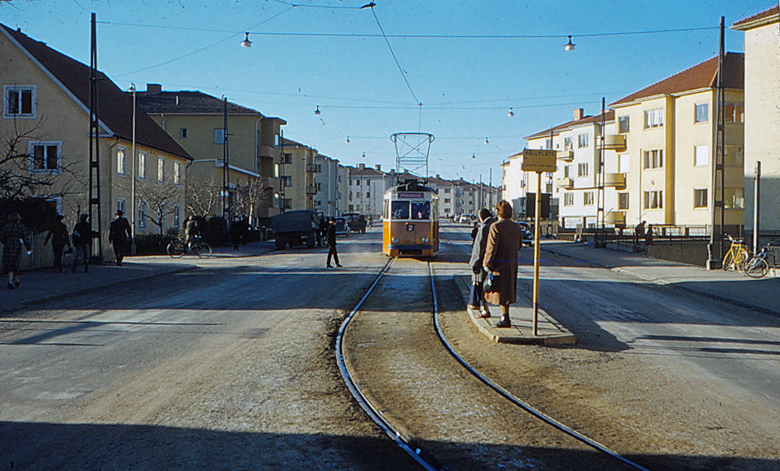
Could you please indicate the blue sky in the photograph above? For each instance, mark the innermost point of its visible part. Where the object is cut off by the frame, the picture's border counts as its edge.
(467, 62)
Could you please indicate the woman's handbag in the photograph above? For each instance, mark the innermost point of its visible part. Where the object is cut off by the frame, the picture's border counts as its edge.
(490, 284)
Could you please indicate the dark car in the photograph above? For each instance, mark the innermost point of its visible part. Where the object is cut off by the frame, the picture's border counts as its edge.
(357, 222)
(528, 236)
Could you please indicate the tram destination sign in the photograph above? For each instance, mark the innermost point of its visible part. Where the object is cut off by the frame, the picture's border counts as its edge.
(538, 160)
(410, 195)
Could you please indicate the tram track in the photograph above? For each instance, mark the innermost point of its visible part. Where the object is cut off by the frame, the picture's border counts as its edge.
(407, 436)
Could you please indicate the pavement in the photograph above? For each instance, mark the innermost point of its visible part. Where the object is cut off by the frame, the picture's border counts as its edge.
(44, 285)
(762, 295)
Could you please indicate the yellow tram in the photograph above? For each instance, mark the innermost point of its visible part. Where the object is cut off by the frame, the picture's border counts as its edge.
(411, 220)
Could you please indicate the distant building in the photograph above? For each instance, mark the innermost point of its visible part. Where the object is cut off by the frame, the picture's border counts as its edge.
(326, 180)
(297, 175)
(762, 116)
(365, 190)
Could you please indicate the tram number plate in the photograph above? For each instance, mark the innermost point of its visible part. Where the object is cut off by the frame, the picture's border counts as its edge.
(410, 195)
(409, 227)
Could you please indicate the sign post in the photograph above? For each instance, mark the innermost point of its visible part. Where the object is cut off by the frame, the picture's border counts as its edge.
(539, 161)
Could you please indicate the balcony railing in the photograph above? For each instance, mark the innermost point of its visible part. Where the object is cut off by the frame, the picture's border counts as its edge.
(615, 217)
(565, 183)
(311, 168)
(311, 190)
(616, 180)
(565, 155)
(616, 142)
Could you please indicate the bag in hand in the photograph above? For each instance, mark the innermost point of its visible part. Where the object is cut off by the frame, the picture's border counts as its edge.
(491, 283)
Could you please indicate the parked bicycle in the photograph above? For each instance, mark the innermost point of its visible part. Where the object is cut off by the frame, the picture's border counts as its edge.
(736, 256)
(758, 266)
(178, 247)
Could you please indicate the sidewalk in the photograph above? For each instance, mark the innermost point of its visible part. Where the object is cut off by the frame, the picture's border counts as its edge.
(759, 294)
(46, 285)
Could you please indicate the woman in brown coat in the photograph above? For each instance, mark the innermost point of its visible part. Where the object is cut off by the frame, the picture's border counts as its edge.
(505, 240)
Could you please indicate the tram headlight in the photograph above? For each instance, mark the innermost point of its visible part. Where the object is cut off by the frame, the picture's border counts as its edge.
(424, 240)
(394, 240)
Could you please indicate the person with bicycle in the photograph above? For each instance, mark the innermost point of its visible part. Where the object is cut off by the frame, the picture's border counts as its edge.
(191, 232)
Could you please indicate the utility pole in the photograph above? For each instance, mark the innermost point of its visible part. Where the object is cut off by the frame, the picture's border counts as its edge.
(94, 142)
(715, 255)
(225, 163)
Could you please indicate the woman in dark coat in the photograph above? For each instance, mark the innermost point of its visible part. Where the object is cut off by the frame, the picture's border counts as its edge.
(59, 240)
(504, 241)
(12, 237)
(477, 296)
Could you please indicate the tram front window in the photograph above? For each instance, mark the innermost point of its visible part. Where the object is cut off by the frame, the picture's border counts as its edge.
(400, 210)
(421, 210)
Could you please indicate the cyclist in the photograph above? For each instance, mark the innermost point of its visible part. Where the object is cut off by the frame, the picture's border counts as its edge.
(191, 232)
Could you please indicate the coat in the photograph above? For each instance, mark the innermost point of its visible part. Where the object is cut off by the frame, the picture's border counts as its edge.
(504, 241)
(11, 236)
(479, 246)
(119, 232)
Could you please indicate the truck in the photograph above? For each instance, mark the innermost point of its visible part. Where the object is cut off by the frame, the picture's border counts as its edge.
(357, 222)
(296, 228)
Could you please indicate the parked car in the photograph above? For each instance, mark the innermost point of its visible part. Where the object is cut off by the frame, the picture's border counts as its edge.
(528, 235)
(357, 222)
(342, 227)
(466, 218)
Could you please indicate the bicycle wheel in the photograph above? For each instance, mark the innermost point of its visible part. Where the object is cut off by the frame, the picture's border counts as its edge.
(741, 259)
(175, 249)
(756, 267)
(728, 261)
(202, 250)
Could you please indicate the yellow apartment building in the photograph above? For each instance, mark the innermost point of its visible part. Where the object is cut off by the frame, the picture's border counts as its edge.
(296, 175)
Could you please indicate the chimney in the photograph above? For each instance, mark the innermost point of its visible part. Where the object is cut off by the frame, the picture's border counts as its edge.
(153, 88)
(392, 171)
(578, 114)
(438, 176)
(378, 167)
(362, 166)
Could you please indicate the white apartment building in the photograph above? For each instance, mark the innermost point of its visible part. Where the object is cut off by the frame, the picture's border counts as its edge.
(762, 117)
(326, 183)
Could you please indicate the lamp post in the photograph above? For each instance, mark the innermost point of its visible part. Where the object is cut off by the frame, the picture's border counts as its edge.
(132, 180)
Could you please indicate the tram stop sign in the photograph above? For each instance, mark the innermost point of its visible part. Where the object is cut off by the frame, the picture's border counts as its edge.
(538, 160)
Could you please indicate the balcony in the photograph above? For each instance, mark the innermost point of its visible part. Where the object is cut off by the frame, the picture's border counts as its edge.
(615, 217)
(565, 155)
(615, 180)
(565, 183)
(311, 168)
(311, 190)
(616, 142)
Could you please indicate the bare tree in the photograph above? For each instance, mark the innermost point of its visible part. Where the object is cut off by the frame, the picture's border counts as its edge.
(248, 197)
(161, 199)
(203, 199)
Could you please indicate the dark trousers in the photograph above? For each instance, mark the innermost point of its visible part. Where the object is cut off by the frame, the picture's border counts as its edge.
(82, 253)
(120, 250)
(58, 249)
(332, 253)
(476, 294)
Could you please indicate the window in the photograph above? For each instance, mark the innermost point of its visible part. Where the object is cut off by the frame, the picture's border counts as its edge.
(177, 173)
(121, 203)
(400, 209)
(654, 118)
(588, 198)
(357, 182)
(582, 169)
(568, 199)
(702, 113)
(701, 156)
(121, 161)
(287, 181)
(183, 133)
(734, 198)
(654, 199)
(623, 124)
(447, 190)
(700, 198)
(654, 158)
(567, 143)
(286, 158)
(624, 163)
(19, 101)
(44, 156)
(142, 165)
(734, 156)
(160, 169)
(176, 215)
(219, 136)
(447, 200)
(142, 214)
(623, 201)
(735, 113)
(421, 210)
(582, 140)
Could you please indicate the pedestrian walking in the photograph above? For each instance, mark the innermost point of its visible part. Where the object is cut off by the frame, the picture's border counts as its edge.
(505, 239)
(639, 231)
(331, 234)
(120, 235)
(649, 235)
(59, 240)
(13, 238)
(476, 295)
(82, 240)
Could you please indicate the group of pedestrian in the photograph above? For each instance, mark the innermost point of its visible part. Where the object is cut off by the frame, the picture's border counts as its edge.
(494, 257)
(643, 231)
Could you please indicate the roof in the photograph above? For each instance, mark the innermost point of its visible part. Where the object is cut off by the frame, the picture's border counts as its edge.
(609, 115)
(115, 108)
(188, 102)
(365, 172)
(769, 16)
(700, 76)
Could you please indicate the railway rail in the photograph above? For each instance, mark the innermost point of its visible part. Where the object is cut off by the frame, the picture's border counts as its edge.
(427, 459)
